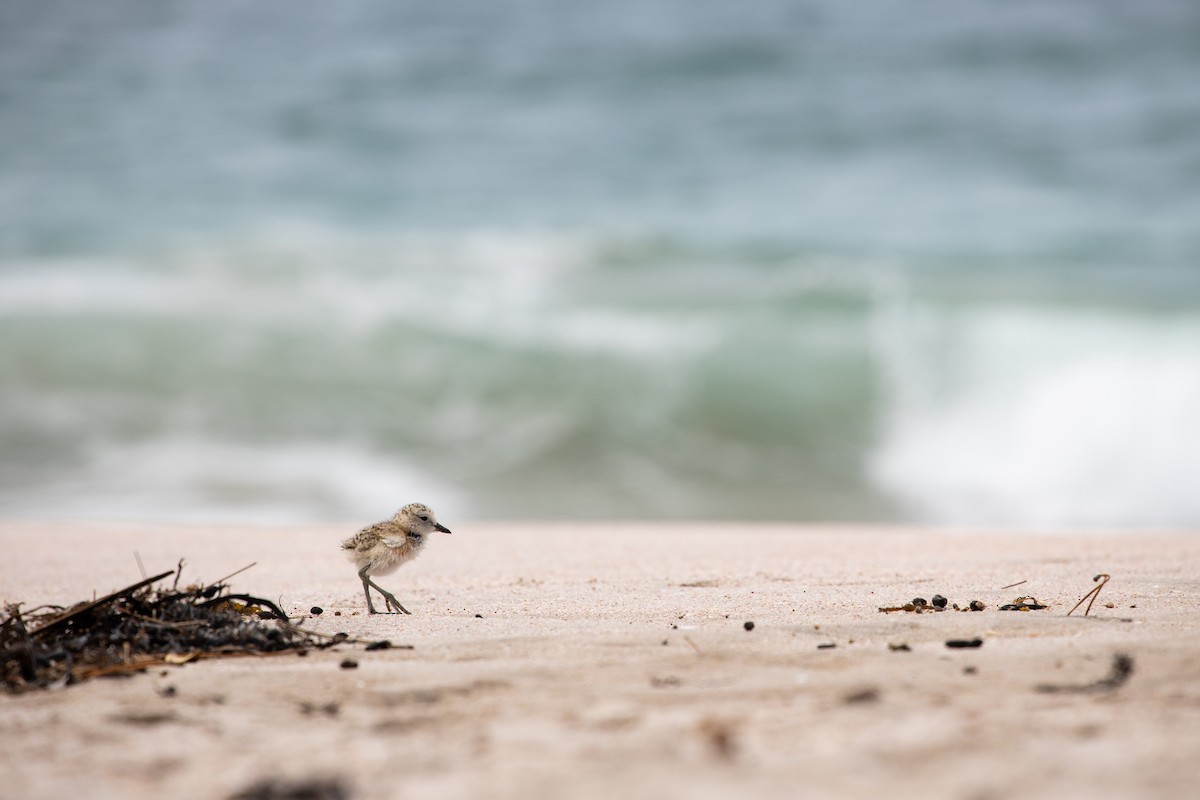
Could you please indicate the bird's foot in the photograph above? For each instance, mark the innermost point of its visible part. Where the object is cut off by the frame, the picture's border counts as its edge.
(393, 603)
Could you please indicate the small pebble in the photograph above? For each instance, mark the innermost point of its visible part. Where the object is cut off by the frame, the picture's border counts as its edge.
(920, 601)
(977, 605)
(382, 644)
(863, 696)
(900, 648)
(316, 610)
(337, 613)
(329, 709)
(349, 663)
(969, 670)
(664, 642)
(748, 625)
(939, 601)
(959, 643)
(479, 616)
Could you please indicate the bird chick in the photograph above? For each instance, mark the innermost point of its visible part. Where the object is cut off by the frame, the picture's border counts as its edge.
(381, 548)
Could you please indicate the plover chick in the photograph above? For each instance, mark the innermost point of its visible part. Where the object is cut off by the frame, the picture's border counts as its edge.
(381, 548)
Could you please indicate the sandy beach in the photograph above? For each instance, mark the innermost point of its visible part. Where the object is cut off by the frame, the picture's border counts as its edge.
(587, 660)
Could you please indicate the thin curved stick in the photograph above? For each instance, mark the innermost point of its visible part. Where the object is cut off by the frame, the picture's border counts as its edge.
(1093, 594)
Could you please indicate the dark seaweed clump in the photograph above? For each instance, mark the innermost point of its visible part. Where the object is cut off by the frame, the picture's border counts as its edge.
(139, 627)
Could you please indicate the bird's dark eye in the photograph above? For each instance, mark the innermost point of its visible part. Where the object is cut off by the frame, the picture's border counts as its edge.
(425, 518)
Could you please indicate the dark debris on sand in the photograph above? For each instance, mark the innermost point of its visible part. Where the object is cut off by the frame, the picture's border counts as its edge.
(1119, 672)
(139, 627)
(316, 789)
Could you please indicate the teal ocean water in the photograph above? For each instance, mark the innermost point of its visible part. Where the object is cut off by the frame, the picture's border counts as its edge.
(876, 261)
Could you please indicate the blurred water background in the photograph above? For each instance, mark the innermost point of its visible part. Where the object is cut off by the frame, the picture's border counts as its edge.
(878, 260)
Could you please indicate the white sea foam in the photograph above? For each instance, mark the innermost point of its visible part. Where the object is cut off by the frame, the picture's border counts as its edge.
(93, 288)
(193, 480)
(1048, 419)
(491, 286)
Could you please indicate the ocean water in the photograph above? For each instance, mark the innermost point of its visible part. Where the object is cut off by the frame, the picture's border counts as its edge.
(917, 262)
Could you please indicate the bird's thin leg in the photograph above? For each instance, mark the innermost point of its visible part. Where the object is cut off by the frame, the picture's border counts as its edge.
(367, 592)
(388, 598)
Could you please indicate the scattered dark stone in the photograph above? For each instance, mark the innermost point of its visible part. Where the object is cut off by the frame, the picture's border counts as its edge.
(349, 663)
(969, 670)
(939, 601)
(382, 644)
(168, 691)
(340, 636)
(900, 648)
(748, 625)
(316, 611)
(959, 643)
(978, 605)
(1122, 668)
(664, 644)
(918, 605)
(870, 695)
(479, 616)
(827, 646)
(337, 613)
(721, 737)
(274, 789)
(328, 709)
(146, 719)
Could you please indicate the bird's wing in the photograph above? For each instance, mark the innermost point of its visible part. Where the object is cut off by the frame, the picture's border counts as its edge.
(395, 538)
(366, 538)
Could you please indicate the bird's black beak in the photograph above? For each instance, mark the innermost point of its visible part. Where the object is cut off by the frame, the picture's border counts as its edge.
(439, 527)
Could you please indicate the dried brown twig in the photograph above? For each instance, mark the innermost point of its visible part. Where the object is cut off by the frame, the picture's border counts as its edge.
(1093, 594)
